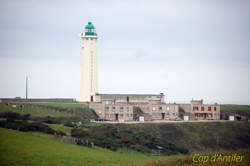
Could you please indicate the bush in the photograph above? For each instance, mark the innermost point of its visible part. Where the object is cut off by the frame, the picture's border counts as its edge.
(26, 126)
(14, 116)
(60, 133)
(69, 124)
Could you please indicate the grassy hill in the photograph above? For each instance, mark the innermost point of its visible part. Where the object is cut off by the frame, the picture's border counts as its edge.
(57, 112)
(32, 110)
(62, 105)
(18, 148)
(21, 149)
(172, 137)
(243, 110)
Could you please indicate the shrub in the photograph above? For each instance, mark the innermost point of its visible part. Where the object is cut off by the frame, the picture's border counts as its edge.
(14, 116)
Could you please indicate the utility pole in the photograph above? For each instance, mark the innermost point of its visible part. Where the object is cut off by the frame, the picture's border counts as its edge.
(26, 87)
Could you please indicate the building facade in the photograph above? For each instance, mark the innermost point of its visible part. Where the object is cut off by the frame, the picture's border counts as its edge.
(196, 110)
(88, 84)
(129, 107)
(130, 98)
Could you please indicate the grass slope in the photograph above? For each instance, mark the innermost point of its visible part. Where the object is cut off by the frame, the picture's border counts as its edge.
(18, 148)
(33, 110)
(62, 105)
(60, 127)
(173, 137)
(239, 109)
(76, 109)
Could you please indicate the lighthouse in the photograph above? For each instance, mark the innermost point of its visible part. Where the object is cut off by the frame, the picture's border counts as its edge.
(89, 84)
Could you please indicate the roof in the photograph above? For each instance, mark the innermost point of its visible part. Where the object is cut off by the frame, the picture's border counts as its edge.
(130, 94)
(89, 26)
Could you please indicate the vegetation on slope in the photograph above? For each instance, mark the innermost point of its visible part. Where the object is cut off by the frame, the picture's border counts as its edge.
(13, 120)
(62, 105)
(32, 110)
(60, 127)
(18, 148)
(170, 138)
(53, 113)
(243, 110)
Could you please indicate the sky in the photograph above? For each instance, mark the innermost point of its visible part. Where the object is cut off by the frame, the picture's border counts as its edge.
(186, 49)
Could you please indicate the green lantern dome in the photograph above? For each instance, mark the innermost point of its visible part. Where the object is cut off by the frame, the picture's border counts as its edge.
(89, 26)
(90, 29)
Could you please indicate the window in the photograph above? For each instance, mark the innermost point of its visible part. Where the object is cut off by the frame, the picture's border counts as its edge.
(113, 107)
(202, 108)
(121, 108)
(160, 107)
(121, 115)
(195, 108)
(209, 108)
(153, 108)
(106, 116)
(107, 108)
(214, 108)
(156, 114)
(168, 108)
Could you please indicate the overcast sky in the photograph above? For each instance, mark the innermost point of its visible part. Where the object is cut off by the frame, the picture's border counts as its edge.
(184, 48)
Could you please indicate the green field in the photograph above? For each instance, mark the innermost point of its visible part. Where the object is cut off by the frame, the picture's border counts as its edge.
(23, 149)
(61, 127)
(18, 148)
(33, 110)
(62, 105)
(174, 138)
(70, 111)
(243, 110)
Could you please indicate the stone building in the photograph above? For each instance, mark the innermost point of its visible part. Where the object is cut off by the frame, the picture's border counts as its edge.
(124, 107)
(196, 110)
(130, 98)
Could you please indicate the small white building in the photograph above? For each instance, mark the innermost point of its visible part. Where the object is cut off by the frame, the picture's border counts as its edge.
(231, 118)
(185, 118)
(141, 118)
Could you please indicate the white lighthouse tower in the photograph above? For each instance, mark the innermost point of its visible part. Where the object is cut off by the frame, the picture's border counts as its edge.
(89, 85)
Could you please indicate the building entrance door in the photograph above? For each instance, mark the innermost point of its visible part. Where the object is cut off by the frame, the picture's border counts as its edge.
(162, 115)
(116, 116)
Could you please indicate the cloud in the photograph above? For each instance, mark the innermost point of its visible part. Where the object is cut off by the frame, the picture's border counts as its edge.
(184, 48)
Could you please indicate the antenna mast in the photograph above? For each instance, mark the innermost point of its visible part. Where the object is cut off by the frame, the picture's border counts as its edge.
(26, 87)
